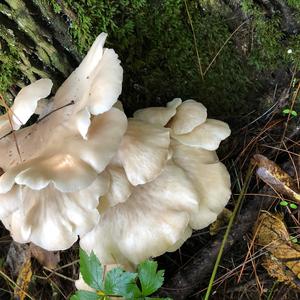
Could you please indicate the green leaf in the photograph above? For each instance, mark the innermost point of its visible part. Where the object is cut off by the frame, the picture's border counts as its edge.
(289, 111)
(294, 113)
(91, 270)
(85, 295)
(294, 239)
(293, 206)
(150, 279)
(284, 203)
(121, 283)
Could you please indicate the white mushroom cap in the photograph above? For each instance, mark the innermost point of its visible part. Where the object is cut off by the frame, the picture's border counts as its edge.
(56, 187)
(51, 168)
(144, 151)
(53, 219)
(65, 172)
(24, 105)
(210, 179)
(27, 99)
(158, 115)
(189, 115)
(188, 123)
(151, 221)
(207, 136)
(93, 87)
(151, 217)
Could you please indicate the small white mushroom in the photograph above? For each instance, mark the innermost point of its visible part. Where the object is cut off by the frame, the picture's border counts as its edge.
(188, 123)
(189, 115)
(24, 105)
(158, 115)
(207, 135)
(144, 151)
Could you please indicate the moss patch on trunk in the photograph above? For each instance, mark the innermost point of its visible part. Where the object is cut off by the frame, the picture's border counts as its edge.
(157, 43)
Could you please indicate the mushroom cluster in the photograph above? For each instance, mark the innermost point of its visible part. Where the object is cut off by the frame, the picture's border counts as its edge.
(166, 180)
(54, 169)
(129, 188)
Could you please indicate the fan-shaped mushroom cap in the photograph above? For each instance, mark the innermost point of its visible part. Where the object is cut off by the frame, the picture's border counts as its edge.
(60, 178)
(24, 105)
(207, 136)
(51, 168)
(158, 214)
(103, 140)
(53, 219)
(91, 89)
(158, 115)
(188, 123)
(210, 179)
(144, 151)
(148, 223)
(189, 115)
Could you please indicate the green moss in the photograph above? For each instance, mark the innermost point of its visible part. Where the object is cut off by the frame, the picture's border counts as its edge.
(56, 7)
(294, 3)
(267, 49)
(8, 71)
(156, 46)
(155, 43)
(8, 65)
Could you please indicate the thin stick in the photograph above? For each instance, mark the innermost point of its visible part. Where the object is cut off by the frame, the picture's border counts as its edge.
(236, 209)
(220, 50)
(195, 40)
(11, 125)
(15, 284)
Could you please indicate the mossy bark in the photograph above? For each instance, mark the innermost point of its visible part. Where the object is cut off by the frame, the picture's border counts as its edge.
(158, 43)
(35, 43)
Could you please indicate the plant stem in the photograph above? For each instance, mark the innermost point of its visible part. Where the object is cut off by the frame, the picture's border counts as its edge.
(236, 209)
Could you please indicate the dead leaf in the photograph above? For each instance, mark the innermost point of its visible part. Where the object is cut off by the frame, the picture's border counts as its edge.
(222, 220)
(46, 258)
(282, 259)
(23, 279)
(274, 176)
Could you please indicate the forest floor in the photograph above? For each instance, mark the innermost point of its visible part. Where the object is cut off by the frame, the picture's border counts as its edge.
(251, 265)
(252, 254)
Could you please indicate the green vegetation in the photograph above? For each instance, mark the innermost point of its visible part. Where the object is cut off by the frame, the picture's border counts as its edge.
(117, 282)
(7, 67)
(158, 50)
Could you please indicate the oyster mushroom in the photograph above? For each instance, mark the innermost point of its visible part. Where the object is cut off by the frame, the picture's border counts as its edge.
(188, 123)
(54, 169)
(184, 187)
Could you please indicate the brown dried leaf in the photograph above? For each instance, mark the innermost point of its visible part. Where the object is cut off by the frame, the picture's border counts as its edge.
(222, 220)
(46, 258)
(282, 259)
(274, 176)
(23, 279)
